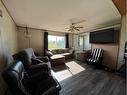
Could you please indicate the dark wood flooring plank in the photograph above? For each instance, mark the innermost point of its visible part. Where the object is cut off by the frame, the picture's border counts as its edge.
(93, 81)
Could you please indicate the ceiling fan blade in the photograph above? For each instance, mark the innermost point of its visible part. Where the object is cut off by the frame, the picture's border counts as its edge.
(79, 21)
(69, 29)
(72, 30)
(79, 27)
(76, 29)
(73, 27)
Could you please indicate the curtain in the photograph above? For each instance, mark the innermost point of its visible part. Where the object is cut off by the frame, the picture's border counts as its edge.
(67, 41)
(45, 41)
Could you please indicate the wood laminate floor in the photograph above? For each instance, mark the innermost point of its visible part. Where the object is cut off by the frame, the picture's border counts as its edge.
(78, 78)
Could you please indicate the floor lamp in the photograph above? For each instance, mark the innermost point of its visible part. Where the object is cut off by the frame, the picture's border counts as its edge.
(27, 35)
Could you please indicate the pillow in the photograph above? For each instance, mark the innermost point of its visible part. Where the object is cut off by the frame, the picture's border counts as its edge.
(49, 53)
(71, 51)
(53, 51)
(59, 51)
(65, 50)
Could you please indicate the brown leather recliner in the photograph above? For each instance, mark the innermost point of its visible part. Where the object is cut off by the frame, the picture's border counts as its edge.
(22, 83)
(32, 63)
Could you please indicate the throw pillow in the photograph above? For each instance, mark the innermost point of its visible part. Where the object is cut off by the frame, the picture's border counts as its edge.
(71, 51)
(49, 53)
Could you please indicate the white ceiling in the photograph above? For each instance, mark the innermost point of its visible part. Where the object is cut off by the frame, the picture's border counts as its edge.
(56, 14)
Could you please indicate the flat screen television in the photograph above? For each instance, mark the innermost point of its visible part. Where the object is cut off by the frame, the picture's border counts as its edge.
(104, 36)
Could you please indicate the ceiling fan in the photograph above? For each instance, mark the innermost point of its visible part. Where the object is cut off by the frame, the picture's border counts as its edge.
(73, 27)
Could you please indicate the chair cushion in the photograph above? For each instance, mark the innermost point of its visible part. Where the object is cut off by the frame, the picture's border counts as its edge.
(92, 60)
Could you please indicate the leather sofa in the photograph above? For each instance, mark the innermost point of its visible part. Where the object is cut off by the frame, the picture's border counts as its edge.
(21, 82)
(32, 63)
(67, 52)
(59, 56)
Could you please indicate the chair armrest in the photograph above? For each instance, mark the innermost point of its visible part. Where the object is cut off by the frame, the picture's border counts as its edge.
(36, 61)
(51, 91)
(58, 86)
(54, 90)
(44, 59)
(38, 68)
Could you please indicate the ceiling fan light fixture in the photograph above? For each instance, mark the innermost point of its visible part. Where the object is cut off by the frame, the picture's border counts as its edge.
(73, 26)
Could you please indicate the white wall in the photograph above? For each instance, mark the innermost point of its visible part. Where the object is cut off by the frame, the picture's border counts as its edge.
(8, 42)
(37, 39)
(123, 38)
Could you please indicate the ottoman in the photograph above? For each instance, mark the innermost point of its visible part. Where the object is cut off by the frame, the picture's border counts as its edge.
(57, 60)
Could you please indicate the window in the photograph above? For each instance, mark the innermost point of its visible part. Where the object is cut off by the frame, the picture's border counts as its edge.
(87, 45)
(81, 41)
(84, 42)
(55, 42)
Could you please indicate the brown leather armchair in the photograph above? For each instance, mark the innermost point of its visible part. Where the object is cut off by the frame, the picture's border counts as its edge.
(32, 63)
(21, 83)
